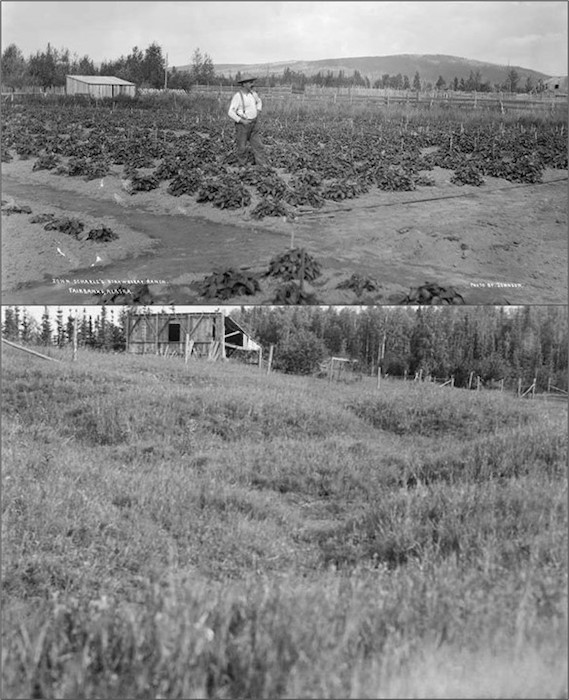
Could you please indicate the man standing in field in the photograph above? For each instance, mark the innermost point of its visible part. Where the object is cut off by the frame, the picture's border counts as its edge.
(244, 109)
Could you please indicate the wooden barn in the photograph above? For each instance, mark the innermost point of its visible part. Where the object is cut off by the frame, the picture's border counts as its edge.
(211, 335)
(557, 85)
(98, 86)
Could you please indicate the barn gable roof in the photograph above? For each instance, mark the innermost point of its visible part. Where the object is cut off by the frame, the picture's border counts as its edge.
(100, 80)
(232, 325)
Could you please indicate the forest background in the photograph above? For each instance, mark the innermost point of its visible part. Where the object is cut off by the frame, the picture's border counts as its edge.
(494, 343)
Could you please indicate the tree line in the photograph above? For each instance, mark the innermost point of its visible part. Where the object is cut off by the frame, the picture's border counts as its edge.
(494, 343)
(105, 331)
(511, 83)
(148, 69)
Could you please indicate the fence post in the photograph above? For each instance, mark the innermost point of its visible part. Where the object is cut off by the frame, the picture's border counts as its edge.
(533, 387)
(477, 383)
(519, 386)
(186, 348)
(378, 376)
(501, 385)
(548, 385)
(270, 363)
(470, 380)
(302, 266)
(452, 380)
(260, 358)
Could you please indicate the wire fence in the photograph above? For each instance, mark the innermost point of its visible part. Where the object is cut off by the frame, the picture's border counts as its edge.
(386, 97)
(500, 101)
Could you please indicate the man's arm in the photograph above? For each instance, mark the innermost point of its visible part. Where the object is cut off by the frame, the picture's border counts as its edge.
(233, 109)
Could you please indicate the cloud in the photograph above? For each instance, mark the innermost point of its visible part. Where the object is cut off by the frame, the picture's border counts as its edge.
(524, 33)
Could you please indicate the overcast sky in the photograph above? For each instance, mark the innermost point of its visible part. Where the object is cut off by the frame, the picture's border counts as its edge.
(94, 311)
(527, 34)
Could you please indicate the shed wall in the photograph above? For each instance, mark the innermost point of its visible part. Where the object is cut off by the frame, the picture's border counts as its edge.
(78, 87)
(152, 334)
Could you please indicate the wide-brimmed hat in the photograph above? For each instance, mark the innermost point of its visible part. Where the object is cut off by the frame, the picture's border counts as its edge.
(247, 79)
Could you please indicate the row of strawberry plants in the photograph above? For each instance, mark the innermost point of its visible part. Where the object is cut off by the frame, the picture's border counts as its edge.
(336, 160)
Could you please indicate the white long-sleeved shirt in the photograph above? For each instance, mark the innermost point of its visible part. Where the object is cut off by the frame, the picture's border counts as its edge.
(245, 104)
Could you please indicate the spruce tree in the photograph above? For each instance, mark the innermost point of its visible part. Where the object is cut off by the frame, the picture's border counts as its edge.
(10, 327)
(46, 334)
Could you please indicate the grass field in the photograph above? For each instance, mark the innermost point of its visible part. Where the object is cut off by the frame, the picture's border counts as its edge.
(207, 530)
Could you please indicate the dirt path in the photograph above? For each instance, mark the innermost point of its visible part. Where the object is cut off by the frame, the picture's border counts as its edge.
(499, 243)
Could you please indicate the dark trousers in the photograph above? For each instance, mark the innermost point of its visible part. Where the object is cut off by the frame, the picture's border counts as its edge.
(247, 136)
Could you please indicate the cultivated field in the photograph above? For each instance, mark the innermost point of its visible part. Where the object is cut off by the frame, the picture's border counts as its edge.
(475, 200)
(208, 530)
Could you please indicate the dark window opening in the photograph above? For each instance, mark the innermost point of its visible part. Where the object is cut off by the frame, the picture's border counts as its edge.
(173, 332)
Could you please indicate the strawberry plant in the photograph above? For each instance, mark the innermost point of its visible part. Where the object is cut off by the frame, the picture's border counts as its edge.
(138, 160)
(306, 177)
(467, 174)
(143, 183)
(304, 195)
(292, 294)
(433, 294)
(287, 265)
(393, 179)
(26, 150)
(70, 226)
(103, 234)
(48, 161)
(254, 175)
(223, 284)
(226, 192)
(168, 168)
(41, 218)
(360, 284)
(423, 181)
(269, 207)
(96, 168)
(272, 185)
(76, 166)
(9, 209)
(341, 189)
(187, 182)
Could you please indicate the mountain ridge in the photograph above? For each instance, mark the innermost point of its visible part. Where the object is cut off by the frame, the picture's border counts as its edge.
(429, 67)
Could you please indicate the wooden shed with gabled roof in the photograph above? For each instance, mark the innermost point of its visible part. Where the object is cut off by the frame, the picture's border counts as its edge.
(212, 335)
(98, 86)
(557, 85)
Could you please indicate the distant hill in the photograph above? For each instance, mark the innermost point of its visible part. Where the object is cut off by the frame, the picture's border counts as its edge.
(428, 66)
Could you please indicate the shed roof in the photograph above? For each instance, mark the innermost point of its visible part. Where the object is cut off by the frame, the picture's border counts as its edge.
(100, 80)
(232, 324)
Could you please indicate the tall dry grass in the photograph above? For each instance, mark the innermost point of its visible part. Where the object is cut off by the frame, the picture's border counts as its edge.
(175, 531)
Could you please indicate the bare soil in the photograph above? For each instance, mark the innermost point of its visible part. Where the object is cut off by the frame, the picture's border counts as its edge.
(501, 243)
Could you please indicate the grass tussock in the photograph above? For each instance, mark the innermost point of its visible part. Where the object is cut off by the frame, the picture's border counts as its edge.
(211, 531)
(427, 409)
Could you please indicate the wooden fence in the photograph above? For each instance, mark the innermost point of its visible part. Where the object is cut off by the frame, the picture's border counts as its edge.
(476, 383)
(375, 97)
(387, 97)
